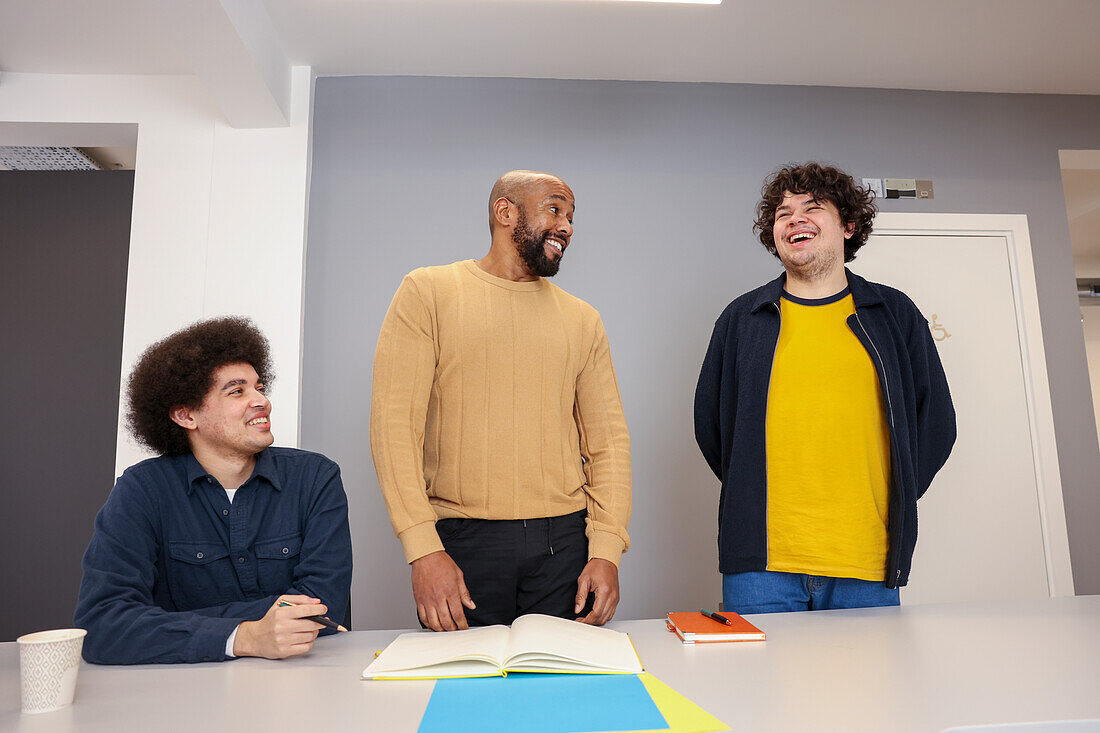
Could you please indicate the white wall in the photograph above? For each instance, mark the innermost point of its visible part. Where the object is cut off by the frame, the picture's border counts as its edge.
(218, 221)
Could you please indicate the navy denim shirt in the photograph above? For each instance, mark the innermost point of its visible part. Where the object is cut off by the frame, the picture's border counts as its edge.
(174, 567)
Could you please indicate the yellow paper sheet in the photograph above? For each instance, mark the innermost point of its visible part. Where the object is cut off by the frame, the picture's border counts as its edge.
(681, 714)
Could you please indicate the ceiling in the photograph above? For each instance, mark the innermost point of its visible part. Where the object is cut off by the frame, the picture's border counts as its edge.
(975, 45)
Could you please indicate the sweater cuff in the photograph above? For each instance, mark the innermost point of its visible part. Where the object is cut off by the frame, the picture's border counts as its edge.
(420, 540)
(606, 546)
(208, 639)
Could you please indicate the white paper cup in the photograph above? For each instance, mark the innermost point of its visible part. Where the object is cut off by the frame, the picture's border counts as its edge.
(48, 663)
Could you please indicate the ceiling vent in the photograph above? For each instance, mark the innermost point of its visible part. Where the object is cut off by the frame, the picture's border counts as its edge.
(25, 158)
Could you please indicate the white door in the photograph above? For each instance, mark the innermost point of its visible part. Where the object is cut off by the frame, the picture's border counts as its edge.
(985, 526)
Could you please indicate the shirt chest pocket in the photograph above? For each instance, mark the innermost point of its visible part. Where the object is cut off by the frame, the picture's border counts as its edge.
(200, 574)
(276, 563)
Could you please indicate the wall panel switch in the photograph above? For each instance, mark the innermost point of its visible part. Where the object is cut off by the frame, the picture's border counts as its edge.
(901, 188)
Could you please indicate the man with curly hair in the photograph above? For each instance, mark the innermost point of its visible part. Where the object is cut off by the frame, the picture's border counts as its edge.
(222, 545)
(823, 409)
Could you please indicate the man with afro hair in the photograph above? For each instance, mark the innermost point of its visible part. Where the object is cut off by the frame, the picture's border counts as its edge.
(823, 409)
(222, 546)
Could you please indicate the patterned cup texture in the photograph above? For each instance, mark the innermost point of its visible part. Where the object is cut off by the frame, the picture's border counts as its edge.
(48, 663)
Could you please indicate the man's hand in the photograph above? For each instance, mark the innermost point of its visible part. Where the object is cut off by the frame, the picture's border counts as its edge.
(602, 578)
(440, 592)
(282, 632)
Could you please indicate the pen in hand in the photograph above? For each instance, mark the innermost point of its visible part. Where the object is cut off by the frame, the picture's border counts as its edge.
(323, 620)
(716, 617)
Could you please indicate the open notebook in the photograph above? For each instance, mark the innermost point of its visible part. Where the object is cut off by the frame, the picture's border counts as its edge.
(534, 643)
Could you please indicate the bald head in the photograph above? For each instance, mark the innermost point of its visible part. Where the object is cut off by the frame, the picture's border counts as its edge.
(515, 187)
(530, 225)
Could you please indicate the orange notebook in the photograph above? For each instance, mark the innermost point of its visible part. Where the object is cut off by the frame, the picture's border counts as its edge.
(693, 627)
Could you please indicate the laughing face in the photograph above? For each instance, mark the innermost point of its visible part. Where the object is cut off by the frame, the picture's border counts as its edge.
(544, 226)
(234, 419)
(809, 235)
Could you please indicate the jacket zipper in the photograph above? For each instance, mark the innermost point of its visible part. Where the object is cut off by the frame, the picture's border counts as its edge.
(881, 368)
(767, 401)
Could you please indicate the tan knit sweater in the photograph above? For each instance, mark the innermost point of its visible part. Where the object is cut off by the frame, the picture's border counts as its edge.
(496, 399)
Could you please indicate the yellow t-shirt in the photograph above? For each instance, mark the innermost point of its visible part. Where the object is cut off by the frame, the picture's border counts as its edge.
(828, 447)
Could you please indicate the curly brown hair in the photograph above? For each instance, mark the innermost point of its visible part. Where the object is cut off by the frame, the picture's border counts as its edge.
(855, 204)
(179, 370)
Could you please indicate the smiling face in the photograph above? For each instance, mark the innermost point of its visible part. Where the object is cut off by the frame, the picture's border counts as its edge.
(809, 235)
(234, 418)
(544, 225)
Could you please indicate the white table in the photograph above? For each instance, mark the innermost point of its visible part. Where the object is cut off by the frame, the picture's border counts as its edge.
(913, 668)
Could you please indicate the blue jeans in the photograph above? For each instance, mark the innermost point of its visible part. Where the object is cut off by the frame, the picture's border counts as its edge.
(767, 591)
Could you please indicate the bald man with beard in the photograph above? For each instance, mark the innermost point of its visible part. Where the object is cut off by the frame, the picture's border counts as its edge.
(497, 429)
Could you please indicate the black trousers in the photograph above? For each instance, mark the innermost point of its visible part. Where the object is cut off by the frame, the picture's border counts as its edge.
(517, 566)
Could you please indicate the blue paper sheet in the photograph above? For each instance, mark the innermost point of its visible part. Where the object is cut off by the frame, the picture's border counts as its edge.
(541, 703)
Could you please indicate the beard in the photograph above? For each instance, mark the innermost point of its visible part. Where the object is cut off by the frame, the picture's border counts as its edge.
(817, 266)
(532, 248)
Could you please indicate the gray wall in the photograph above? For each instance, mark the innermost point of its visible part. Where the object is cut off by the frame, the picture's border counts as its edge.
(64, 242)
(666, 177)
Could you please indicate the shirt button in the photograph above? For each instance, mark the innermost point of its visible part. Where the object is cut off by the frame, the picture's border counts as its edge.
(286, 550)
(240, 559)
(209, 480)
(198, 555)
(225, 512)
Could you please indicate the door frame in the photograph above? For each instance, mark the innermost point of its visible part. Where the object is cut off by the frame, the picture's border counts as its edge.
(1048, 479)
